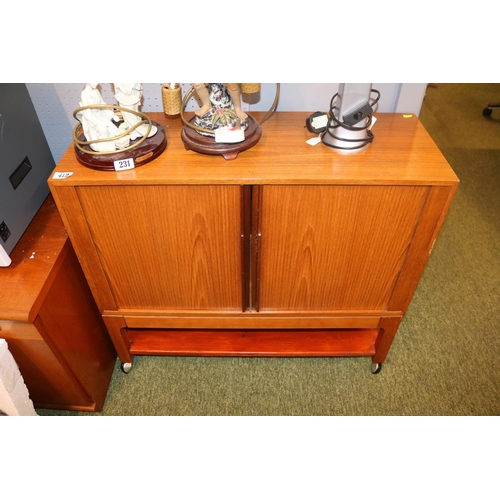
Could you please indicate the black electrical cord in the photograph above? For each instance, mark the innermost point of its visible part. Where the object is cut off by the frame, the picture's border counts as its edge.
(331, 128)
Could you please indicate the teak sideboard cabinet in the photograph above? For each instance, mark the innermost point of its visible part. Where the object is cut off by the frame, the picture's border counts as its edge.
(288, 250)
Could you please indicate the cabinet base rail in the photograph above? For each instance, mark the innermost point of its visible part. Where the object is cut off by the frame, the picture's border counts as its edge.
(257, 343)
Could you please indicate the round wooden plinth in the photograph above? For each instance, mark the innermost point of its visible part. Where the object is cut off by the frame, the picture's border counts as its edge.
(207, 145)
(145, 152)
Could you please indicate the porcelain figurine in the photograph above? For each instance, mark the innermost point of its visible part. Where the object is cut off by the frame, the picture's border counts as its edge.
(97, 123)
(129, 95)
(220, 106)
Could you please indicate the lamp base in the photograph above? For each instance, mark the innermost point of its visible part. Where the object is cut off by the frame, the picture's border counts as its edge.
(145, 152)
(347, 141)
(207, 145)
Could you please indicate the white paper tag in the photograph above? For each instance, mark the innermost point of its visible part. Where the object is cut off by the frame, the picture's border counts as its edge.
(229, 135)
(127, 164)
(314, 141)
(62, 175)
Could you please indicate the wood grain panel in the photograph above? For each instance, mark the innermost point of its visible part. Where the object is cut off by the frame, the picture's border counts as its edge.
(252, 321)
(401, 153)
(68, 204)
(254, 342)
(71, 325)
(169, 247)
(14, 330)
(35, 262)
(436, 208)
(327, 248)
(47, 380)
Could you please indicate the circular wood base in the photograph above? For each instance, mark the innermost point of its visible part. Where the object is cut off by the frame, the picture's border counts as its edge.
(145, 152)
(207, 145)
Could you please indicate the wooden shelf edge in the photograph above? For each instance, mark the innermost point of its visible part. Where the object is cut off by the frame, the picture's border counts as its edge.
(68, 407)
(254, 343)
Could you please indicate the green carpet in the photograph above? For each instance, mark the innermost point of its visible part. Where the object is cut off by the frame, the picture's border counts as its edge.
(445, 359)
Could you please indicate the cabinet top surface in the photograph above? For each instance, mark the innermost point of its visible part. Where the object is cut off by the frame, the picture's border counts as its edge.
(402, 152)
(34, 260)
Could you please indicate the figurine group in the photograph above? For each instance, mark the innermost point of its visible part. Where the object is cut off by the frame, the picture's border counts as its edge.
(103, 125)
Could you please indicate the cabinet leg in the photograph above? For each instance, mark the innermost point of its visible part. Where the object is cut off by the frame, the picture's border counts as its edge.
(117, 330)
(388, 327)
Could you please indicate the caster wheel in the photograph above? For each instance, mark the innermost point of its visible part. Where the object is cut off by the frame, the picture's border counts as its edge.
(487, 111)
(376, 367)
(126, 367)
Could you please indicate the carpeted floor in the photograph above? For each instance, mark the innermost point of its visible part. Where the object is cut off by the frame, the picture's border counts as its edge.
(445, 359)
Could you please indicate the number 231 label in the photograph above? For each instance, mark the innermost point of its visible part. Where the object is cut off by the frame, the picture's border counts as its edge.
(124, 164)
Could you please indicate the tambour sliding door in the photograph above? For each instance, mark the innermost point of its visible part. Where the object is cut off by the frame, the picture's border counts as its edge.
(332, 248)
(252, 248)
(169, 248)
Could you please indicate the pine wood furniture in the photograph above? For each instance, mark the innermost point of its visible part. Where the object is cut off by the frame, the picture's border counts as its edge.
(50, 320)
(288, 250)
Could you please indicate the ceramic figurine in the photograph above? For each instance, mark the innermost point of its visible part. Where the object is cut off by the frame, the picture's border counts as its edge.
(97, 123)
(129, 96)
(220, 106)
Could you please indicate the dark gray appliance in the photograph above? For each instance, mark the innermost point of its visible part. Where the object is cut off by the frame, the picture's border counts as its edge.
(25, 165)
